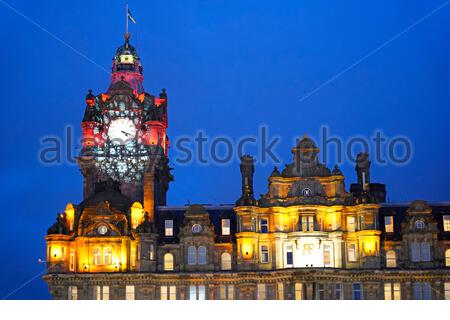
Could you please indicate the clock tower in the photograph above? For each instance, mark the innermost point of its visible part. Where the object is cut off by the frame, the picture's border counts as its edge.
(124, 135)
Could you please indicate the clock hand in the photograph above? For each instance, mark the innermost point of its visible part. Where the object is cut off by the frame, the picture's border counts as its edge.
(126, 133)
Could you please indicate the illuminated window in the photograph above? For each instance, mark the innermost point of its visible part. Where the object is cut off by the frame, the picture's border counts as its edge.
(351, 224)
(357, 291)
(97, 256)
(192, 255)
(168, 228)
(389, 224)
(447, 290)
(264, 226)
(298, 291)
(362, 223)
(392, 291)
(351, 252)
(168, 293)
(447, 258)
(197, 293)
(225, 227)
(289, 256)
(307, 223)
(129, 292)
(73, 293)
(72, 260)
(391, 259)
(225, 261)
(327, 255)
(226, 292)
(446, 222)
(168, 262)
(320, 291)
(107, 256)
(151, 254)
(420, 225)
(264, 254)
(201, 255)
(280, 291)
(421, 291)
(261, 291)
(101, 292)
(338, 291)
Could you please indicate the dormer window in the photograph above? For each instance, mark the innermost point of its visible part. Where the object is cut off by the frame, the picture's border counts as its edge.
(420, 225)
(168, 228)
(389, 224)
(225, 227)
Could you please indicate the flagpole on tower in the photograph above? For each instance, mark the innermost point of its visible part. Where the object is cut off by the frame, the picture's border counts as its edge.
(126, 22)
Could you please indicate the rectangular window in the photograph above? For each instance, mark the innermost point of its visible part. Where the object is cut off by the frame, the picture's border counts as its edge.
(421, 291)
(72, 260)
(289, 256)
(264, 254)
(197, 293)
(351, 252)
(320, 291)
(362, 223)
(351, 224)
(447, 290)
(280, 291)
(168, 228)
(261, 291)
(129, 292)
(357, 291)
(425, 251)
(73, 293)
(105, 293)
(226, 292)
(225, 227)
(307, 223)
(446, 222)
(151, 254)
(327, 255)
(264, 226)
(101, 292)
(415, 252)
(392, 291)
(298, 291)
(338, 291)
(163, 292)
(389, 224)
(168, 293)
(172, 293)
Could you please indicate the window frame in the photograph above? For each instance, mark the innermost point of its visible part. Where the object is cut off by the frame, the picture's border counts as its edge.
(226, 226)
(389, 227)
(357, 293)
(264, 253)
(168, 227)
(224, 262)
(264, 225)
(167, 264)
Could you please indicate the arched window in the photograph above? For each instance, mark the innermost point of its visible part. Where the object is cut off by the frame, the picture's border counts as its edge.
(225, 261)
(447, 258)
(201, 255)
(107, 256)
(97, 256)
(192, 255)
(168, 262)
(420, 225)
(391, 259)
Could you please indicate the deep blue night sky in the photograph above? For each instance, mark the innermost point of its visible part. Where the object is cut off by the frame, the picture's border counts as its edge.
(229, 67)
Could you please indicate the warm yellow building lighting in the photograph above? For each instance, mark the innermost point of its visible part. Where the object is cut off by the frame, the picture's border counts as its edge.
(137, 214)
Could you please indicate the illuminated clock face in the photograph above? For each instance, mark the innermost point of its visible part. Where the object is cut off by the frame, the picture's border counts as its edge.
(102, 229)
(121, 131)
(196, 228)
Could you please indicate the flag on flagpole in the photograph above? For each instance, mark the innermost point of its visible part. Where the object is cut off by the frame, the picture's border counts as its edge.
(131, 17)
